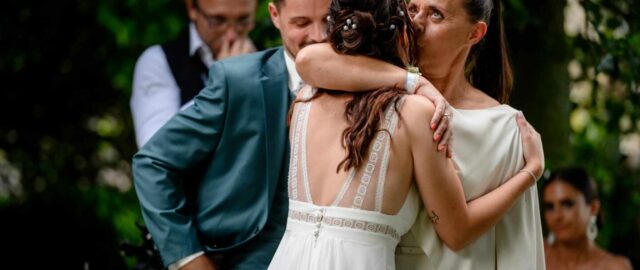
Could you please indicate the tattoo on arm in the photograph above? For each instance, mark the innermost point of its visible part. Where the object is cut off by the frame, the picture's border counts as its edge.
(434, 217)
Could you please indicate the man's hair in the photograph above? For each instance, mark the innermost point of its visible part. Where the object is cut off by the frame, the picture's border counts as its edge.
(278, 3)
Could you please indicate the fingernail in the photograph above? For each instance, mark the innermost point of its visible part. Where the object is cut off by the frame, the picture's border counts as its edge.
(440, 148)
(433, 126)
(437, 137)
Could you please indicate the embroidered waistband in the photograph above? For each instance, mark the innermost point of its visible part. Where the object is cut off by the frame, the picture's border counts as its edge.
(320, 219)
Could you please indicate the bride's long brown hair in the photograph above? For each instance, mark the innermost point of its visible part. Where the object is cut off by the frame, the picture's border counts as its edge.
(375, 28)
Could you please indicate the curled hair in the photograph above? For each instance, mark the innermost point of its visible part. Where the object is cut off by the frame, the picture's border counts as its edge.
(379, 32)
(488, 68)
(380, 26)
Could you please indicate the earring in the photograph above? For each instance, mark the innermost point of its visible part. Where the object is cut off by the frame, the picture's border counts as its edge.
(592, 229)
(551, 238)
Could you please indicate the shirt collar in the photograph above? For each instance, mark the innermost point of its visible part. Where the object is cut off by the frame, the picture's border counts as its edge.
(196, 45)
(294, 79)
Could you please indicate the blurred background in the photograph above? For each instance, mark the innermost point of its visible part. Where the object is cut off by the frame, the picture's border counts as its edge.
(66, 135)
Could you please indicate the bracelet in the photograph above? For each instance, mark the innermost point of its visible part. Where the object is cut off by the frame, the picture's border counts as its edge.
(413, 78)
(411, 83)
(533, 176)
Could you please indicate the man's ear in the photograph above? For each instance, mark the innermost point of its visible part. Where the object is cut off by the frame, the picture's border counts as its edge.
(191, 9)
(477, 33)
(275, 15)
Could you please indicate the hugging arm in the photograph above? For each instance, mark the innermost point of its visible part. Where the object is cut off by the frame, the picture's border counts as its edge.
(320, 66)
(456, 221)
(159, 169)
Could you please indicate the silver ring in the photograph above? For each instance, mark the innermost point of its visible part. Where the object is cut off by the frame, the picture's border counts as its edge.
(446, 115)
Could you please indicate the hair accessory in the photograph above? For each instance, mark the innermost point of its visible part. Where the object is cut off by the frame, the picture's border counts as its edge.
(400, 12)
(413, 78)
(349, 25)
(592, 229)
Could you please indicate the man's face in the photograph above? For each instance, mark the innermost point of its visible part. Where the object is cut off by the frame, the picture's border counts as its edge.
(221, 21)
(301, 22)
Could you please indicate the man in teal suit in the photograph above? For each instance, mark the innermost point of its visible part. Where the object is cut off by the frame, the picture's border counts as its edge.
(212, 182)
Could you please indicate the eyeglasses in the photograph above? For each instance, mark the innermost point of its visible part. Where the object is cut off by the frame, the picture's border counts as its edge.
(220, 22)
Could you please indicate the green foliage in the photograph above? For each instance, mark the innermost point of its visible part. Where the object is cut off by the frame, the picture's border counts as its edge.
(67, 67)
(66, 127)
(605, 95)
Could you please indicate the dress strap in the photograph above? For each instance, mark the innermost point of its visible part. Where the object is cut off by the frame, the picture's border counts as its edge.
(391, 127)
(379, 142)
(297, 138)
(345, 187)
(303, 154)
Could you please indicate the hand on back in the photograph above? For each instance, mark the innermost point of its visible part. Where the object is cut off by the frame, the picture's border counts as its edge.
(442, 117)
(532, 147)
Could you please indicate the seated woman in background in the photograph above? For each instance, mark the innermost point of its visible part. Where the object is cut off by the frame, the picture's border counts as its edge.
(571, 207)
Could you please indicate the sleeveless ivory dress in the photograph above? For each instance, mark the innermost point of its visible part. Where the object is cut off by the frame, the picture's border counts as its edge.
(351, 233)
(487, 151)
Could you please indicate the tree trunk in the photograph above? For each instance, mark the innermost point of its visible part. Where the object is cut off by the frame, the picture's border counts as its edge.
(540, 56)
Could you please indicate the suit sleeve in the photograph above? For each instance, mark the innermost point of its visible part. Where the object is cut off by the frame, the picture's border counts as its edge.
(159, 168)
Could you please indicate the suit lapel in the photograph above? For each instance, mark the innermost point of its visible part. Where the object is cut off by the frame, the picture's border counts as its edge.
(275, 92)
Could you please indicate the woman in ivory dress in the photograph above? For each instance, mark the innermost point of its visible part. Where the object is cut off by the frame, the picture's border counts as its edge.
(462, 53)
(360, 164)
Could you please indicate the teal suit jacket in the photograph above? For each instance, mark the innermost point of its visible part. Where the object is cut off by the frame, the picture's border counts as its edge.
(214, 178)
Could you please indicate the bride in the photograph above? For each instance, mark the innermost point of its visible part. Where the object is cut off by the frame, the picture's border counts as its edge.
(360, 163)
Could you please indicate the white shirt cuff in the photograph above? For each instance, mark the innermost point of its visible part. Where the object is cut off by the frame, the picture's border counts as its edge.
(184, 261)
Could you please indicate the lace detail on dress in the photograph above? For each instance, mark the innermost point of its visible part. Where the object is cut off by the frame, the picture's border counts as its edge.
(391, 127)
(293, 172)
(358, 199)
(300, 113)
(345, 186)
(306, 108)
(355, 195)
(320, 219)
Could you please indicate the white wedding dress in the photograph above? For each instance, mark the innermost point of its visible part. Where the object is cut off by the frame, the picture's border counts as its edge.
(351, 233)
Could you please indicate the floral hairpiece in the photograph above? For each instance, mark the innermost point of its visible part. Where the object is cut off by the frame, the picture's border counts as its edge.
(350, 24)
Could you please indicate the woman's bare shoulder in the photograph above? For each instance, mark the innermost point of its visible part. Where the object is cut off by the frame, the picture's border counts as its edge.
(616, 262)
(416, 106)
(416, 112)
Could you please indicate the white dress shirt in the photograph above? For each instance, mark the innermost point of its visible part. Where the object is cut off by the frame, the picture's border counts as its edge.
(156, 96)
(295, 82)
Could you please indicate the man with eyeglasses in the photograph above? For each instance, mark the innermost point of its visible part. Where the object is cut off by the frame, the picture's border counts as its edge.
(168, 76)
(212, 182)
